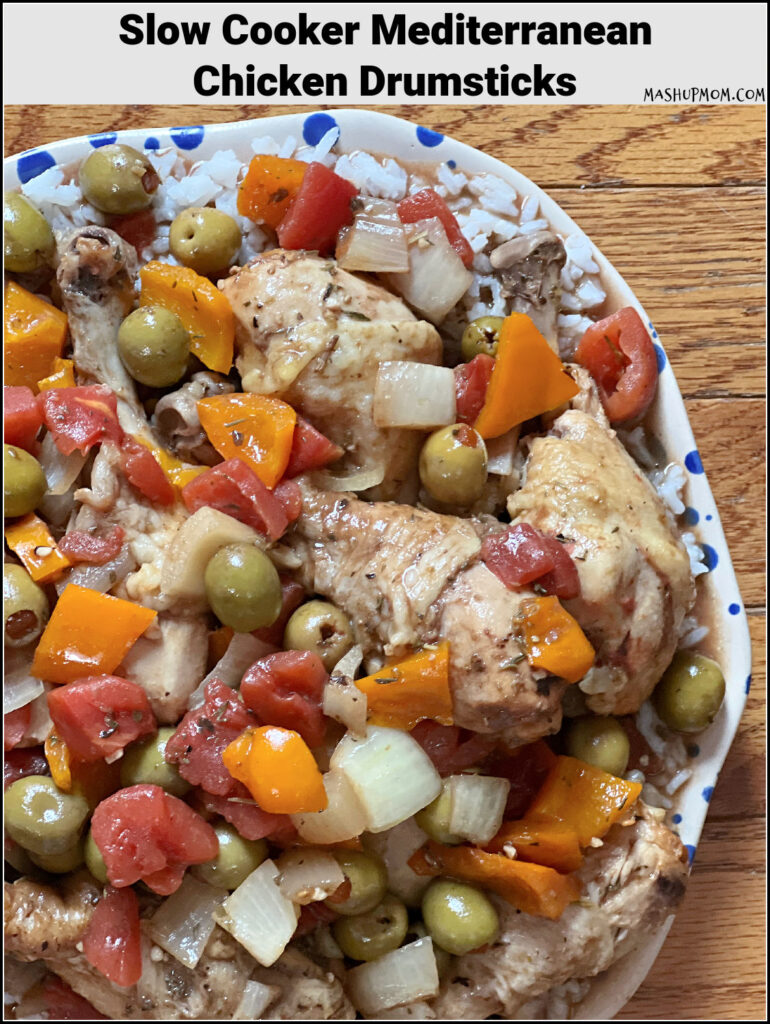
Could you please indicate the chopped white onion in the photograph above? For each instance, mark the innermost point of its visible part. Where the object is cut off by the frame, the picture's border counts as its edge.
(437, 278)
(476, 806)
(255, 1000)
(242, 651)
(40, 721)
(395, 847)
(196, 541)
(342, 700)
(357, 480)
(342, 819)
(307, 876)
(501, 452)
(183, 923)
(100, 577)
(390, 773)
(259, 916)
(61, 471)
(417, 396)
(404, 976)
(19, 687)
(375, 242)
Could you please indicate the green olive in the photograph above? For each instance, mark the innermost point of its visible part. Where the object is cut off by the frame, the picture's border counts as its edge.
(453, 465)
(321, 627)
(118, 179)
(375, 933)
(368, 882)
(154, 346)
(205, 239)
(243, 588)
(459, 917)
(24, 482)
(28, 241)
(60, 863)
(145, 763)
(41, 818)
(434, 819)
(599, 741)
(94, 860)
(236, 859)
(690, 693)
(25, 606)
(481, 337)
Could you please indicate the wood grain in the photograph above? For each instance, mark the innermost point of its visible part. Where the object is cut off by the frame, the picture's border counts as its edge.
(674, 197)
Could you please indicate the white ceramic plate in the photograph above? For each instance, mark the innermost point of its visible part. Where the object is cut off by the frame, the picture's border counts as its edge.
(380, 133)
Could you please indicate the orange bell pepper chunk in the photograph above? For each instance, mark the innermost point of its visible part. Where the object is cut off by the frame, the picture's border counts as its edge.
(219, 641)
(63, 376)
(553, 639)
(528, 379)
(269, 188)
(177, 473)
(277, 768)
(88, 634)
(30, 539)
(59, 759)
(551, 843)
(254, 428)
(584, 797)
(92, 780)
(532, 888)
(403, 694)
(34, 334)
(202, 308)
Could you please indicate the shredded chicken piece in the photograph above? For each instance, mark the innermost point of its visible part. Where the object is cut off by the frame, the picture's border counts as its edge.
(529, 267)
(45, 920)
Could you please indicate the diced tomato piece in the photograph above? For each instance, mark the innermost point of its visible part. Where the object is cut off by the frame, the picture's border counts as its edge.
(99, 716)
(63, 1003)
(310, 449)
(322, 206)
(24, 761)
(425, 204)
(292, 596)
(619, 354)
(138, 229)
(144, 833)
(286, 689)
(196, 746)
(22, 417)
(290, 497)
(78, 418)
(526, 769)
(247, 818)
(237, 491)
(450, 748)
(80, 546)
(112, 944)
(143, 471)
(471, 383)
(521, 555)
(15, 724)
(312, 916)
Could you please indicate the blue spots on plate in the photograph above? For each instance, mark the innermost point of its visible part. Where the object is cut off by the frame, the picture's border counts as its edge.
(316, 126)
(707, 793)
(692, 461)
(660, 358)
(428, 137)
(676, 819)
(451, 164)
(653, 332)
(691, 516)
(748, 683)
(152, 143)
(29, 165)
(710, 557)
(709, 517)
(734, 609)
(690, 852)
(693, 750)
(188, 138)
(103, 139)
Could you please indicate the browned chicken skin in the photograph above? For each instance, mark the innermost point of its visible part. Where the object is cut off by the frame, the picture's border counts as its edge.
(408, 576)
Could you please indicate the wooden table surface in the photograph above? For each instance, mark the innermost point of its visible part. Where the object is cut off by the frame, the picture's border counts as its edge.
(675, 198)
